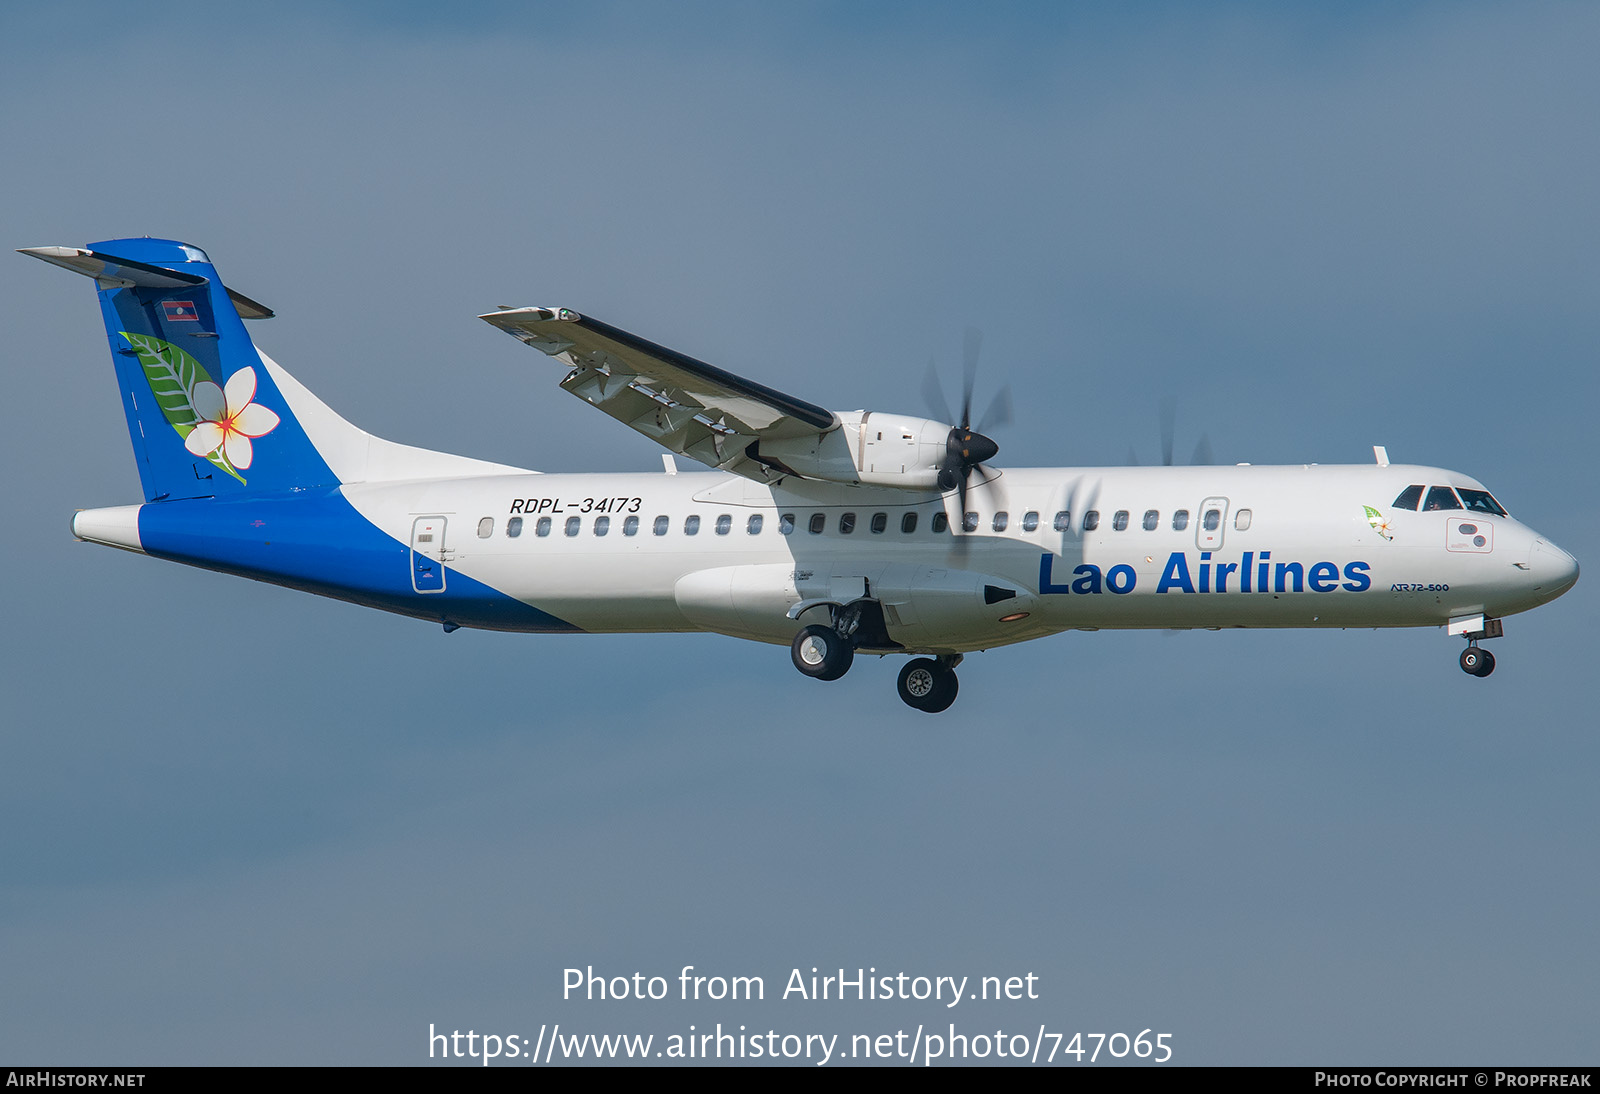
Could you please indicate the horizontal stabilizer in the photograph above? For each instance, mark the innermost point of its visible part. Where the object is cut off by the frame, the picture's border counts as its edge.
(113, 272)
(116, 272)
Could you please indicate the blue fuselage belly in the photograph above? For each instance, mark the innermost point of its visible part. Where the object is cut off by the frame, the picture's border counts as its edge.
(313, 540)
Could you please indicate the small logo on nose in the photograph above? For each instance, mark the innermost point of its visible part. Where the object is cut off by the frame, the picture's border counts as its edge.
(1379, 522)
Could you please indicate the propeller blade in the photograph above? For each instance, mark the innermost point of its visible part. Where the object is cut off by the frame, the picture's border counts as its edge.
(974, 343)
(933, 394)
(1202, 451)
(965, 447)
(999, 412)
(1169, 418)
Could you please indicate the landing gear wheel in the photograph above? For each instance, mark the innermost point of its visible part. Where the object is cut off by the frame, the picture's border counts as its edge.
(1477, 662)
(945, 695)
(928, 686)
(821, 653)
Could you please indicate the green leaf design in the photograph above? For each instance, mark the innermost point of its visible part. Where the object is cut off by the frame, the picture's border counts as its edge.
(220, 459)
(1372, 514)
(172, 375)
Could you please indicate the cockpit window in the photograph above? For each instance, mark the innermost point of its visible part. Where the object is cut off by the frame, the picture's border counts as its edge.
(1441, 497)
(1409, 498)
(1480, 501)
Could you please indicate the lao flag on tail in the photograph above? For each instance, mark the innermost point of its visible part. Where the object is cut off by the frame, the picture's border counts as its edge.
(178, 311)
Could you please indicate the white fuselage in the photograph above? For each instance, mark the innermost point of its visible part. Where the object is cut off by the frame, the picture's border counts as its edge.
(1308, 554)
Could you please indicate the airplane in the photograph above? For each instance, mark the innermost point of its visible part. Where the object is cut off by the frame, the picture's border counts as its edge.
(831, 532)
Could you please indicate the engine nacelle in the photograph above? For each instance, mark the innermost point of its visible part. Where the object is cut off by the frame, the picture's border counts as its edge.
(869, 447)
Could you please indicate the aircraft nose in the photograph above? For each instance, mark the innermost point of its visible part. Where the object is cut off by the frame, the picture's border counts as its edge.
(1553, 570)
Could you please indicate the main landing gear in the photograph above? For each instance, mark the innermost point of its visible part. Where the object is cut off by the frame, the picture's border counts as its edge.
(822, 653)
(826, 652)
(929, 684)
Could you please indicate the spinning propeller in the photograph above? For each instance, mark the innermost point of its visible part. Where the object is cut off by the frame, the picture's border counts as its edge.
(966, 448)
(1169, 415)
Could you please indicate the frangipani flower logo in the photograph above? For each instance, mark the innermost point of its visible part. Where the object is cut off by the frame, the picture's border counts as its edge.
(1379, 522)
(218, 423)
(229, 419)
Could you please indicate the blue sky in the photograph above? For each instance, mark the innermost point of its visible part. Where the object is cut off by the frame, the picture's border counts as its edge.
(246, 825)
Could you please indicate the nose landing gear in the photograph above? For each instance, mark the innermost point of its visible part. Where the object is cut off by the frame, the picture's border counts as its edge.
(1476, 662)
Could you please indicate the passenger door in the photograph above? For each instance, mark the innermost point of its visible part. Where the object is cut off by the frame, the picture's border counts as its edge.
(427, 554)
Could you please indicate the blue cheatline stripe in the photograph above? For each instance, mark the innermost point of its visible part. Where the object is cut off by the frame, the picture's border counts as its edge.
(315, 541)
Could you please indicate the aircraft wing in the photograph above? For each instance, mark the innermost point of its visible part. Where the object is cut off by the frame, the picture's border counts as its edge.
(685, 405)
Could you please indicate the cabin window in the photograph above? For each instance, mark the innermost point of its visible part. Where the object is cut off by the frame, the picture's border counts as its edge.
(819, 521)
(1152, 518)
(969, 522)
(880, 521)
(724, 524)
(1442, 497)
(691, 524)
(1241, 520)
(1213, 520)
(1091, 520)
(1479, 501)
(786, 524)
(752, 527)
(1030, 520)
(908, 523)
(1001, 519)
(847, 523)
(486, 528)
(630, 526)
(1409, 498)
(660, 526)
(1119, 521)
(572, 525)
(514, 527)
(542, 528)
(941, 524)
(1063, 521)
(602, 525)
(1180, 520)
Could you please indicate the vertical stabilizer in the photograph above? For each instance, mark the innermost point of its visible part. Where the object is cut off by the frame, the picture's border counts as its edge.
(205, 415)
(210, 415)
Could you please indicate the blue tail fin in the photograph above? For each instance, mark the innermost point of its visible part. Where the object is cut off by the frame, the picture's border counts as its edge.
(206, 415)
